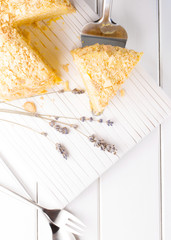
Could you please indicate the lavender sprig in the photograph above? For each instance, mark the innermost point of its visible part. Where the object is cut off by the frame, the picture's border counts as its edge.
(62, 150)
(91, 119)
(54, 122)
(109, 123)
(56, 118)
(104, 146)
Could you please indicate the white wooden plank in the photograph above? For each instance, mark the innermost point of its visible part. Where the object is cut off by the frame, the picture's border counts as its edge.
(141, 28)
(130, 195)
(165, 74)
(166, 179)
(92, 4)
(18, 220)
(86, 207)
(130, 208)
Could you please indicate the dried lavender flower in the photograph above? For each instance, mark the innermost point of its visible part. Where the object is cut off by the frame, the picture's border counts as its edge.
(36, 115)
(100, 143)
(92, 138)
(62, 150)
(111, 148)
(75, 126)
(57, 127)
(78, 91)
(52, 123)
(109, 123)
(56, 118)
(100, 120)
(65, 130)
(91, 119)
(83, 119)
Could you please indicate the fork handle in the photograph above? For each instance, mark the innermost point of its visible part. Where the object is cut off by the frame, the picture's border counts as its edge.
(19, 197)
(106, 10)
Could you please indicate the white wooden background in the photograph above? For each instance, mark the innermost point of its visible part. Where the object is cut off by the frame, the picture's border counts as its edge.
(133, 199)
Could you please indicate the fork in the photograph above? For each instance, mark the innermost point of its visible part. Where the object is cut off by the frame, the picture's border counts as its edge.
(61, 218)
(58, 217)
(57, 233)
(60, 234)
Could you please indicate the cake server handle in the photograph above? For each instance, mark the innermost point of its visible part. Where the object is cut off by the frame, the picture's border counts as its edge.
(106, 10)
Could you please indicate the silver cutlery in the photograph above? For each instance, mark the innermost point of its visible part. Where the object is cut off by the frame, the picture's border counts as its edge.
(61, 218)
(60, 234)
(104, 31)
(58, 219)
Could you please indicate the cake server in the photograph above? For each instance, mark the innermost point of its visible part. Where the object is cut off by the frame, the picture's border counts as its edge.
(104, 31)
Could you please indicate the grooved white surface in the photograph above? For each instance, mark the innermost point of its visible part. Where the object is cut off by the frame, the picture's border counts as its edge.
(136, 115)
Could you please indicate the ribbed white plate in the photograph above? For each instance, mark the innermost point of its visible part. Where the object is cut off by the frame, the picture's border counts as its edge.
(141, 110)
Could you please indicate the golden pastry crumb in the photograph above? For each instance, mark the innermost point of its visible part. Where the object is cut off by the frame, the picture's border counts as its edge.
(44, 28)
(122, 92)
(104, 69)
(30, 107)
(36, 24)
(49, 22)
(65, 67)
(57, 18)
(66, 86)
(42, 98)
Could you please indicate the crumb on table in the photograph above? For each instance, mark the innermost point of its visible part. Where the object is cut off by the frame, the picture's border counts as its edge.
(30, 107)
(122, 92)
(65, 67)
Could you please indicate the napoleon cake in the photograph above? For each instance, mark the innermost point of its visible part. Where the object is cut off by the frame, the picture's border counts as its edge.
(23, 72)
(104, 69)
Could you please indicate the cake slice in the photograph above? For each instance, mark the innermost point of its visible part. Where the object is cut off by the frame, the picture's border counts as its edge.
(104, 69)
(23, 72)
(28, 11)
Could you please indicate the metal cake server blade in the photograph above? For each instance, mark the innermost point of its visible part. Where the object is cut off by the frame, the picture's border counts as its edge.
(104, 31)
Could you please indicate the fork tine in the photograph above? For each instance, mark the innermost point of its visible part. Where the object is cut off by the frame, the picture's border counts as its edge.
(74, 225)
(71, 230)
(75, 219)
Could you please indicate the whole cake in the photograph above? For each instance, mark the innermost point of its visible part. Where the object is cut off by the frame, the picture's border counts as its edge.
(23, 73)
(104, 69)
